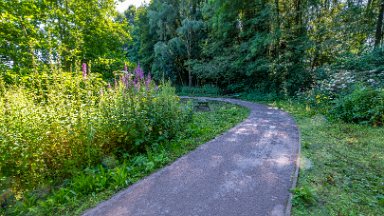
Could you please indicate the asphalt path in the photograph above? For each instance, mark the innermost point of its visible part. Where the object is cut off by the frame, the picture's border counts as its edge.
(247, 171)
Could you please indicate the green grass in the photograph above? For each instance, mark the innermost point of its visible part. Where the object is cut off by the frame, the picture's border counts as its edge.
(92, 186)
(341, 171)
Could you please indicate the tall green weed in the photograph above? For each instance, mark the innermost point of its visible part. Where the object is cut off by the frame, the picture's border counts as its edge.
(56, 125)
(364, 105)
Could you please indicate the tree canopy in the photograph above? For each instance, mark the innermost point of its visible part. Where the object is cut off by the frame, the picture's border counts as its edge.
(272, 45)
(60, 34)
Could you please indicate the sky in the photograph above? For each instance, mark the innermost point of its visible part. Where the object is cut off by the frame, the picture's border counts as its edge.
(122, 6)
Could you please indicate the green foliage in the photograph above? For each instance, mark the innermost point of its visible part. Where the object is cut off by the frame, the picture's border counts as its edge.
(345, 173)
(59, 35)
(303, 195)
(166, 35)
(346, 167)
(58, 124)
(363, 105)
(261, 96)
(365, 62)
(205, 90)
(239, 46)
(96, 183)
(110, 161)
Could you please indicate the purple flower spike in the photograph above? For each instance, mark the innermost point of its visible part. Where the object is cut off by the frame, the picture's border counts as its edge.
(109, 85)
(148, 81)
(84, 69)
(125, 80)
(139, 73)
(125, 68)
(149, 77)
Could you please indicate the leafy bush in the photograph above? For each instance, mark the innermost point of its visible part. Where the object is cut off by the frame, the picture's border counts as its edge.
(368, 61)
(303, 195)
(59, 124)
(99, 182)
(339, 83)
(256, 95)
(205, 90)
(364, 105)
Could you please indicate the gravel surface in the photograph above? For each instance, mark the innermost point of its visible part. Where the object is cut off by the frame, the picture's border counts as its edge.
(246, 171)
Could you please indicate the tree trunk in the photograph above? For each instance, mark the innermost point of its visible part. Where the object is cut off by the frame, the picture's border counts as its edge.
(379, 28)
(189, 71)
(189, 50)
(189, 77)
(278, 24)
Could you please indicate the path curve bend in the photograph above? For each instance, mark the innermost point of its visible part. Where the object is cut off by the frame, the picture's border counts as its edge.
(247, 171)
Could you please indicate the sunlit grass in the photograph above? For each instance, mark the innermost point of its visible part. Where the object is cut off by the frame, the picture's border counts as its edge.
(342, 165)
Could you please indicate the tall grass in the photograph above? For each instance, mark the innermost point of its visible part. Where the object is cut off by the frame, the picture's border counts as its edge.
(58, 124)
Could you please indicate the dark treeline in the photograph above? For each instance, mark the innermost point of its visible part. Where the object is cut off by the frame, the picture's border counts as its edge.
(269, 45)
(265, 45)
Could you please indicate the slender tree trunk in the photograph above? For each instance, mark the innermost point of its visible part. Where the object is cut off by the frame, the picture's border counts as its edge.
(278, 24)
(189, 70)
(379, 28)
(189, 49)
(189, 76)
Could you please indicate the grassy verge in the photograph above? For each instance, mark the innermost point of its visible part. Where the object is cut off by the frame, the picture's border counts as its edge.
(341, 171)
(94, 185)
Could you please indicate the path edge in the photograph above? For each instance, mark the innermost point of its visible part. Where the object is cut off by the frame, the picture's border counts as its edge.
(288, 209)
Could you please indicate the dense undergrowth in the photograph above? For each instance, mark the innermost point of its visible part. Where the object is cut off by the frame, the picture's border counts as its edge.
(96, 183)
(205, 90)
(56, 125)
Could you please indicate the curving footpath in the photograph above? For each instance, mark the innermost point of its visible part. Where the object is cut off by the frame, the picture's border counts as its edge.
(246, 171)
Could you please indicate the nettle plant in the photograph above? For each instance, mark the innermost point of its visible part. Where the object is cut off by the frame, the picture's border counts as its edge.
(61, 123)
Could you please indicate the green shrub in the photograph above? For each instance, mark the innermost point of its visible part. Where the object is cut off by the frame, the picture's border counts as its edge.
(257, 95)
(303, 195)
(364, 106)
(205, 90)
(58, 124)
